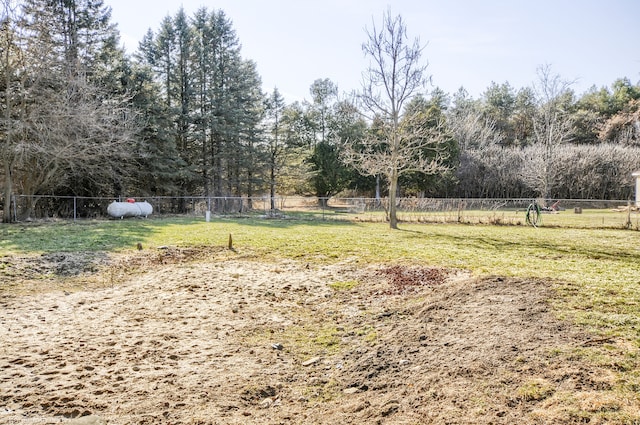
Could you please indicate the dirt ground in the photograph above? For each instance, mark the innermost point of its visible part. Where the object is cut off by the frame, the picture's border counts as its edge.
(213, 339)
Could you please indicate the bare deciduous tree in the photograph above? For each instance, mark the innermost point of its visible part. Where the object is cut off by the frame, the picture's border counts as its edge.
(403, 143)
(69, 129)
(552, 126)
(11, 60)
(58, 123)
(624, 127)
(472, 130)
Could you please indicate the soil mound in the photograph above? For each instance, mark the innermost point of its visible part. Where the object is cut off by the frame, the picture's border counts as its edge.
(240, 342)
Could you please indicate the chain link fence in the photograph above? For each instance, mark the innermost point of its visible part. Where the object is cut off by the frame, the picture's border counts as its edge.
(561, 213)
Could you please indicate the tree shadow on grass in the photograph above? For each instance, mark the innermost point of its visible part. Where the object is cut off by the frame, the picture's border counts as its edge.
(113, 235)
(289, 221)
(535, 246)
(91, 236)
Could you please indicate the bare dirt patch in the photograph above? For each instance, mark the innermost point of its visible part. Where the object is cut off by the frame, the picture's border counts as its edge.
(200, 340)
(58, 263)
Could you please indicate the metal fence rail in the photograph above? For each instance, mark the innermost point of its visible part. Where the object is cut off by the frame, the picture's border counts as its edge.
(566, 212)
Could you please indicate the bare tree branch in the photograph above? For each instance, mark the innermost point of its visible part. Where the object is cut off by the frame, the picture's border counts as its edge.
(553, 126)
(400, 143)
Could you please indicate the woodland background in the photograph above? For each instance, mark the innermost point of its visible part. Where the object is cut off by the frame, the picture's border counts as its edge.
(185, 115)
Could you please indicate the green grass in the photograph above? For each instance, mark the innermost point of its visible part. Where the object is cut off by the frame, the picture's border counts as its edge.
(589, 218)
(595, 271)
(535, 390)
(73, 237)
(344, 285)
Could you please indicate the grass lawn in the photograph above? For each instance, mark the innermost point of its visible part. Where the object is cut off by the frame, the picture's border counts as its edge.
(587, 218)
(595, 271)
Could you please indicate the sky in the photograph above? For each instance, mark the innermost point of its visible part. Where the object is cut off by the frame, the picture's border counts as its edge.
(468, 43)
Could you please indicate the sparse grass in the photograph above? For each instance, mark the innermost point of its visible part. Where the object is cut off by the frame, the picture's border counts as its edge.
(535, 390)
(321, 391)
(371, 336)
(308, 341)
(344, 285)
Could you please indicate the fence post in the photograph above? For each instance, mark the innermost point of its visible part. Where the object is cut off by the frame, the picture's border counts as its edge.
(75, 206)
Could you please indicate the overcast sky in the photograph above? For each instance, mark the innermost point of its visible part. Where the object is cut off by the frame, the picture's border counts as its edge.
(469, 43)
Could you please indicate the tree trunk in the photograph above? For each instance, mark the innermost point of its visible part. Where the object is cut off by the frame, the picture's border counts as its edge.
(272, 186)
(6, 163)
(393, 188)
(8, 189)
(323, 201)
(249, 189)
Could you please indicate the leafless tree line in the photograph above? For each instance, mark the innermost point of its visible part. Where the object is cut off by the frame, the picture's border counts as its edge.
(576, 171)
